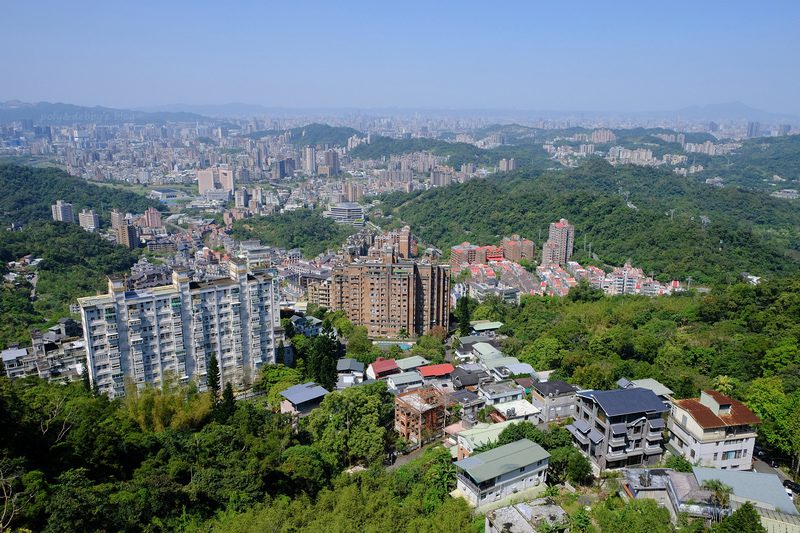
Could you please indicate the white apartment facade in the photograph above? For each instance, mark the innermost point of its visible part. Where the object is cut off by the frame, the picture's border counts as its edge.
(150, 335)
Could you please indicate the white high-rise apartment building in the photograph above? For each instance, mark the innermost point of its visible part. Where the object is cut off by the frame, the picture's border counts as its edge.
(89, 220)
(62, 211)
(151, 335)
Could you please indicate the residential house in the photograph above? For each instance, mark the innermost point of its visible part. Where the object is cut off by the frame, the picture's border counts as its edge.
(501, 392)
(350, 373)
(404, 381)
(508, 371)
(556, 399)
(478, 435)
(502, 471)
(517, 411)
(435, 372)
(409, 364)
(470, 402)
(714, 430)
(382, 368)
(469, 375)
(662, 391)
(302, 399)
(307, 325)
(619, 427)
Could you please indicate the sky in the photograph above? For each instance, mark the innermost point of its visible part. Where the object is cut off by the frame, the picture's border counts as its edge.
(528, 55)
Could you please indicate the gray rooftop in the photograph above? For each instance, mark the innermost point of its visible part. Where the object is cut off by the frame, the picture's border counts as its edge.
(502, 460)
(405, 378)
(349, 365)
(555, 387)
(620, 402)
(304, 393)
(765, 488)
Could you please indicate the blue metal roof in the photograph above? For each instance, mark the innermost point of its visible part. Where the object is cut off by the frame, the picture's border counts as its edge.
(626, 401)
(303, 393)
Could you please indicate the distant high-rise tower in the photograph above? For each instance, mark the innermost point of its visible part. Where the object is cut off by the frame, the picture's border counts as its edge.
(152, 218)
(89, 220)
(205, 180)
(310, 160)
(62, 211)
(784, 129)
(117, 218)
(332, 162)
(753, 129)
(560, 242)
(128, 235)
(226, 179)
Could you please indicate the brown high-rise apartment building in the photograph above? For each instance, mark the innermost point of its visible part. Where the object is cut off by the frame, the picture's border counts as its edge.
(128, 235)
(226, 179)
(400, 239)
(388, 297)
(562, 241)
(117, 218)
(151, 218)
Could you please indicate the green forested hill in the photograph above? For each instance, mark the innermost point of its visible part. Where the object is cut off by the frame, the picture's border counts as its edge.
(303, 229)
(312, 134)
(75, 263)
(526, 156)
(757, 162)
(27, 193)
(755, 230)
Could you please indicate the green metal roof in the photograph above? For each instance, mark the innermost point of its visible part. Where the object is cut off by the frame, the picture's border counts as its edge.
(502, 460)
(487, 326)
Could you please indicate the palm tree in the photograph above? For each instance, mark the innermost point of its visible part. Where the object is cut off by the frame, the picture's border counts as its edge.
(723, 384)
(402, 334)
(720, 496)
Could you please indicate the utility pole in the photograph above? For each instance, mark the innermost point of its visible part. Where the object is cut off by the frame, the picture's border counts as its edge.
(689, 280)
(671, 212)
(584, 242)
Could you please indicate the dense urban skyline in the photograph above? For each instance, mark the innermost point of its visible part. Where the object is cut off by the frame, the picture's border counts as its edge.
(584, 57)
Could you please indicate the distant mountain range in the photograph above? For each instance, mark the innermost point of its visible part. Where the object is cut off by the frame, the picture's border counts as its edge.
(49, 113)
(67, 114)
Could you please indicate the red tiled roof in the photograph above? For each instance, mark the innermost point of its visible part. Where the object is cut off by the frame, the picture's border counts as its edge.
(382, 366)
(740, 414)
(435, 370)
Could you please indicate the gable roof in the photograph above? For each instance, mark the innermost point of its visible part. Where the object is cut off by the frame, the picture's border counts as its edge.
(502, 460)
(304, 393)
(626, 401)
(707, 419)
(384, 366)
(410, 363)
(555, 387)
(435, 370)
(349, 364)
(464, 378)
(765, 488)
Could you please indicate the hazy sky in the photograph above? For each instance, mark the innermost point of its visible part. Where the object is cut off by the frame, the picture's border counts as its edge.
(605, 56)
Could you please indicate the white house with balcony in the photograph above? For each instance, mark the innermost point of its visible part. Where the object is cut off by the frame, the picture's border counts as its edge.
(713, 430)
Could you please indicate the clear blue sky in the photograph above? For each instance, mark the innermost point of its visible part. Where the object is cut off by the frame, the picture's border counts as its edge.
(604, 56)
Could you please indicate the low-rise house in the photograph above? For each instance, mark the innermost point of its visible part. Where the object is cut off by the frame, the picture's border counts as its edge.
(484, 351)
(409, 364)
(464, 350)
(764, 491)
(404, 381)
(619, 427)
(302, 399)
(469, 375)
(527, 517)
(351, 367)
(713, 430)
(470, 402)
(419, 414)
(502, 471)
(517, 411)
(478, 435)
(556, 399)
(307, 325)
(662, 391)
(382, 368)
(508, 371)
(435, 372)
(491, 364)
(501, 392)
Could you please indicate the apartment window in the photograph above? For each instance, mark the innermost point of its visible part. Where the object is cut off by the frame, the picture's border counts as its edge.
(716, 455)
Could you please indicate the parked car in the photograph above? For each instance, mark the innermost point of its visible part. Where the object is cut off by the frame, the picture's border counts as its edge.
(772, 461)
(759, 452)
(792, 485)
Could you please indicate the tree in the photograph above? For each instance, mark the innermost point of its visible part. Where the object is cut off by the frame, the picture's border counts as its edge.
(720, 496)
(462, 313)
(87, 383)
(402, 334)
(745, 519)
(227, 407)
(679, 463)
(212, 378)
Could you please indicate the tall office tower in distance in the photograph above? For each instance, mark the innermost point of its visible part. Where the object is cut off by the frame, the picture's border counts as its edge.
(753, 129)
(332, 162)
(171, 332)
(89, 220)
(62, 211)
(310, 160)
(558, 248)
(226, 179)
(388, 297)
(205, 180)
